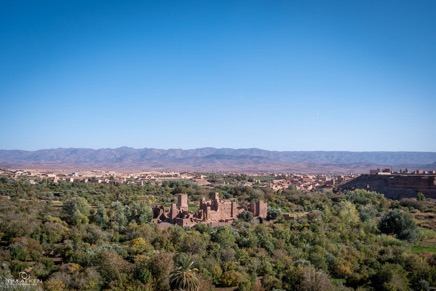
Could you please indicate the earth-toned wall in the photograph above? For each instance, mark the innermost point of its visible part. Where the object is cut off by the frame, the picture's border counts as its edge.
(214, 210)
(395, 186)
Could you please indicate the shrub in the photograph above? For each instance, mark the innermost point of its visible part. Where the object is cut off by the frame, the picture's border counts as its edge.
(399, 223)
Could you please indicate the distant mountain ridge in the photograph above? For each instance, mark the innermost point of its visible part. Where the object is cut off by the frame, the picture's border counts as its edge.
(209, 158)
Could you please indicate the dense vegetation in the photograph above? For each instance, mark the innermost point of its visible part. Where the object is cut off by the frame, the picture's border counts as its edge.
(93, 236)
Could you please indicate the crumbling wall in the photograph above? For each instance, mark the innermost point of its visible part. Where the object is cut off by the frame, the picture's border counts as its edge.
(395, 186)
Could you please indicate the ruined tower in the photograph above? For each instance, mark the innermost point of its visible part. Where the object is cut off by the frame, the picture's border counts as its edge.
(182, 201)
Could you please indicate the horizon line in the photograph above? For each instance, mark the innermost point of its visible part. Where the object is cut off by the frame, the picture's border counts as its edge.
(218, 148)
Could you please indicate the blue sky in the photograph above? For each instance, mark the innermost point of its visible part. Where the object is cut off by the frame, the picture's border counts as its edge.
(276, 75)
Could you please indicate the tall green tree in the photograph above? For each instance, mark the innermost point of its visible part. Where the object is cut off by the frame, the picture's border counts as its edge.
(160, 266)
(140, 212)
(76, 210)
(117, 216)
(184, 275)
(399, 223)
(100, 217)
(224, 237)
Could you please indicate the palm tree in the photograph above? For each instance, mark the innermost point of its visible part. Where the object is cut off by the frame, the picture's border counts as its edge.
(184, 275)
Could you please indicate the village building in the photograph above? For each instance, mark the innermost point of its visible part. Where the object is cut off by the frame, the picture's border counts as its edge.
(210, 211)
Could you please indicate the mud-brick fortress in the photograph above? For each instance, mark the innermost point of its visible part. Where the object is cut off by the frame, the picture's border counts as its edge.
(215, 211)
(395, 186)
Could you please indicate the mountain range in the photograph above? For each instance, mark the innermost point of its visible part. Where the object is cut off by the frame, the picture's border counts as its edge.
(214, 159)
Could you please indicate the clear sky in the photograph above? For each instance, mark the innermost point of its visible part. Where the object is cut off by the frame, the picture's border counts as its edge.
(279, 75)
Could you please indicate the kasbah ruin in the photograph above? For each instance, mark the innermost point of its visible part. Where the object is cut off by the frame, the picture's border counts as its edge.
(214, 212)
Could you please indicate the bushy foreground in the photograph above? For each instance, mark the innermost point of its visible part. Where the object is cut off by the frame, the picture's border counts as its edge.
(94, 237)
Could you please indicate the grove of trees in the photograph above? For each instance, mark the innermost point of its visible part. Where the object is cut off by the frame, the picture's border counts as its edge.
(74, 236)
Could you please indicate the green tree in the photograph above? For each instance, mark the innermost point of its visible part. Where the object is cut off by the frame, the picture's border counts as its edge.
(24, 248)
(113, 267)
(399, 223)
(76, 210)
(53, 232)
(184, 275)
(117, 215)
(139, 245)
(140, 212)
(100, 217)
(420, 197)
(161, 265)
(246, 216)
(141, 269)
(391, 277)
(266, 240)
(194, 243)
(273, 213)
(224, 237)
(231, 278)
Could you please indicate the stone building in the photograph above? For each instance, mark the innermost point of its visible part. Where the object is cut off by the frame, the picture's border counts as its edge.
(178, 213)
(210, 211)
(218, 210)
(258, 208)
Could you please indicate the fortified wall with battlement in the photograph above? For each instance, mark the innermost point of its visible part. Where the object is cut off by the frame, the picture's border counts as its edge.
(395, 186)
(210, 211)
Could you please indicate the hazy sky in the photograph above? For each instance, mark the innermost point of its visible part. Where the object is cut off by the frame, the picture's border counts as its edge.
(279, 75)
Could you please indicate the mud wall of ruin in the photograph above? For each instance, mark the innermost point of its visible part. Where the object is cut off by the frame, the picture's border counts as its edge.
(395, 186)
(418, 182)
(225, 211)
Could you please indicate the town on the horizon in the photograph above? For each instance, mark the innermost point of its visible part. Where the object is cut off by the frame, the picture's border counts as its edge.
(276, 181)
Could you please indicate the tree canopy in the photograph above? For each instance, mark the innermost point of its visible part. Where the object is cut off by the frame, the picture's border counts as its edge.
(102, 237)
